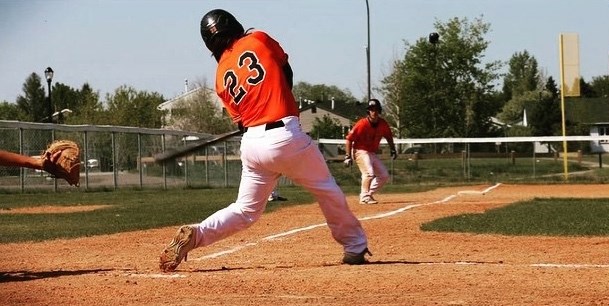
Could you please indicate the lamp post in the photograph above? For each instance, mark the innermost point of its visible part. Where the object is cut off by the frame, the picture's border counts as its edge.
(48, 74)
(434, 37)
(368, 48)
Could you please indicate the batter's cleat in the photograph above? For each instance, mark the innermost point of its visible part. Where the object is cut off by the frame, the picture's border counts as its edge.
(356, 258)
(182, 243)
(368, 200)
(277, 198)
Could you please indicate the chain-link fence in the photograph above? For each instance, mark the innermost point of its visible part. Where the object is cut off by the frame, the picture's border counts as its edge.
(487, 160)
(119, 157)
(116, 157)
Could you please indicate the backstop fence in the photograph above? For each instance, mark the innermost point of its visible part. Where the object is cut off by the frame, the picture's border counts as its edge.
(115, 157)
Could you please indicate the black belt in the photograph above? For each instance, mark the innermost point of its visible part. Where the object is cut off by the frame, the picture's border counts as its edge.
(272, 125)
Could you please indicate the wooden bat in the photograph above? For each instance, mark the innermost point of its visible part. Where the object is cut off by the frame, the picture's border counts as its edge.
(193, 146)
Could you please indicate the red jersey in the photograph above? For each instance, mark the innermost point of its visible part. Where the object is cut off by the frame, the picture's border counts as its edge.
(251, 83)
(367, 137)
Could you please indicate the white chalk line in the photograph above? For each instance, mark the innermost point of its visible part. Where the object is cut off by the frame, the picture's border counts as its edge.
(175, 275)
(379, 216)
(310, 227)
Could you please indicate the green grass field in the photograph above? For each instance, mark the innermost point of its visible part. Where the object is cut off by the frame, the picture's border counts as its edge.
(132, 210)
(546, 217)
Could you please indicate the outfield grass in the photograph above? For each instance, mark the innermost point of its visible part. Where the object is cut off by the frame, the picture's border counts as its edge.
(131, 210)
(128, 210)
(547, 217)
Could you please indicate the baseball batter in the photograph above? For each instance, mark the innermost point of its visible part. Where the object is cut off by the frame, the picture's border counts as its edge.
(365, 138)
(254, 81)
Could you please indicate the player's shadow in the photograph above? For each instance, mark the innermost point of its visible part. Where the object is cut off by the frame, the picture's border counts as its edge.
(22, 276)
(406, 262)
(369, 263)
(223, 269)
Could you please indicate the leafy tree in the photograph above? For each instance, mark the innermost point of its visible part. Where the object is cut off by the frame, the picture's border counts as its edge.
(514, 109)
(523, 75)
(9, 111)
(444, 89)
(64, 97)
(33, 105)
(200, 113)
(586, 90)
(327, 127)
(129, 107)
(522, 87)
(545, 117)
(88, 110)
(320, 92)
(600, 85)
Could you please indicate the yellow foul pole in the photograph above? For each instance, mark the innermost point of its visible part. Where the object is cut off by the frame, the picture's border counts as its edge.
(562, 106)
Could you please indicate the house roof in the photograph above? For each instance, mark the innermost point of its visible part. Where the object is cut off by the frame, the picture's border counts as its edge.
(587, 110)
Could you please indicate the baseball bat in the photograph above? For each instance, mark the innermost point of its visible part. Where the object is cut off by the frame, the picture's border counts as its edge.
(193, 146)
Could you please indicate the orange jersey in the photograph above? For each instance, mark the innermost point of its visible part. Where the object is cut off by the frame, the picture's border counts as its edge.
(251, 83)
(367, 137)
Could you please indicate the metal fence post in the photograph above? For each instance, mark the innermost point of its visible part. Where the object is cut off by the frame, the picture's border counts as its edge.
(54, 179)
(86, 145)
(114, 167)
(22, 170)
(164, 170)
(140, 165)
(225, 164)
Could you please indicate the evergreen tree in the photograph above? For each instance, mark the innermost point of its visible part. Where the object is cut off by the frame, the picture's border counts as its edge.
(33, 104)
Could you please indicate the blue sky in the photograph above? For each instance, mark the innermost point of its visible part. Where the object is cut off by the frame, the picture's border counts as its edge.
(154, 45)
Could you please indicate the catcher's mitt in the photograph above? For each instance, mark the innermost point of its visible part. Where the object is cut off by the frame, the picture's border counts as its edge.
(62, 160)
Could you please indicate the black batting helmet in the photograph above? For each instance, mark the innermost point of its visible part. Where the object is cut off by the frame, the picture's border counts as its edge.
(375, 104)
(219, 29)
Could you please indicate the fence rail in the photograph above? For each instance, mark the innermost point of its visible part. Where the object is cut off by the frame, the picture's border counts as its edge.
(115, 157)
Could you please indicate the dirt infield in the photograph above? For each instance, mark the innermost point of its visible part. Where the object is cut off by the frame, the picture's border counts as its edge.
(271, 264)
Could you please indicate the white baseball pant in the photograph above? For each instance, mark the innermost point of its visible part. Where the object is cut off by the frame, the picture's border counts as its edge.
(268, 154)
(374, 172)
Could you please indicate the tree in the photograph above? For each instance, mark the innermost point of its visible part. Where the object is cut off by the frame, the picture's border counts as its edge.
(586, 90)
(522, 87)
(199, 113)
(523, 75)
(88, 110)
(64, 97)
(444, 89)
(320, 93)
(9, 111)
(33, 105)
(545, 117)
(129, 107)
(600, 85)
(327, 127)
(514, 109)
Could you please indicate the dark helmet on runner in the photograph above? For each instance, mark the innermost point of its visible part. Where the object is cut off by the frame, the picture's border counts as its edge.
(375, 104)
(219, 29)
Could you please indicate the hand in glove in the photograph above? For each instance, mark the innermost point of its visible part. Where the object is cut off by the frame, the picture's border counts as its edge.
(394, 154)
(348, 161)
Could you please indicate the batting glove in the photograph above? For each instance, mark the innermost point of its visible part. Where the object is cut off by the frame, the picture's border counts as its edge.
(394, 154)
(348, 161)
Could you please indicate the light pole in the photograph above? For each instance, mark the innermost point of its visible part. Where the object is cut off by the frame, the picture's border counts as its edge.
(368, 47)
(48, 74)
(434, 37)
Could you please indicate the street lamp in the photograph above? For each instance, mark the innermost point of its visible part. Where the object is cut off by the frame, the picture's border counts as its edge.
(434, 38)
(48, 74)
